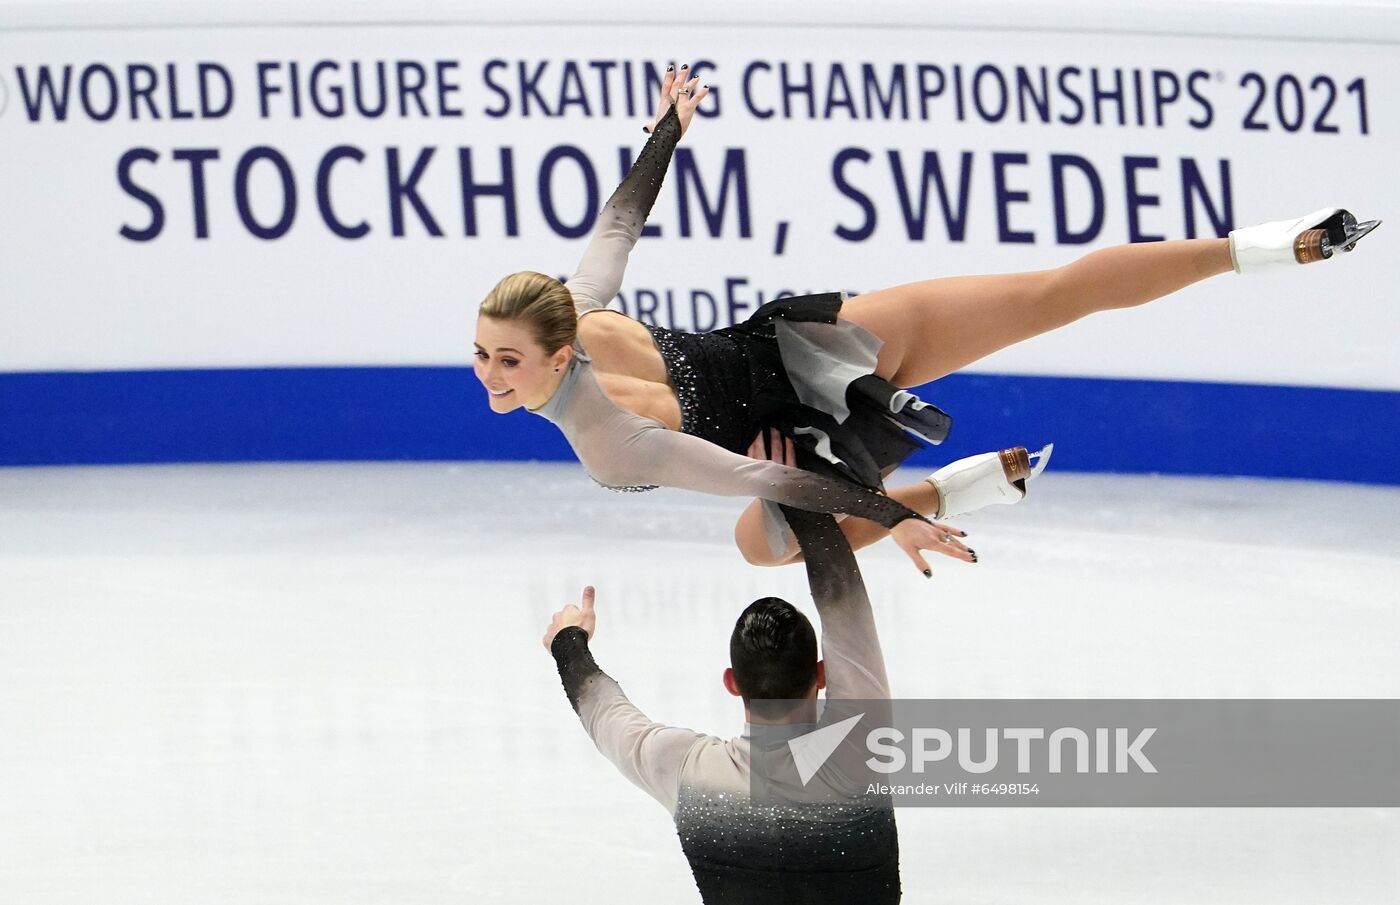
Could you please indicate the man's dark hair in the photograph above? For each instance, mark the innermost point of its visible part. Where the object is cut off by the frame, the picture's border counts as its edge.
(773, 651)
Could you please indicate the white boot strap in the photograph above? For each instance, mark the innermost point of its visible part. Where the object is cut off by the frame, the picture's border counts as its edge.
(942, 496)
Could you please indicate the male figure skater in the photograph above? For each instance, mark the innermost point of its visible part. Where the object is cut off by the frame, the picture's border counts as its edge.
(742, 851)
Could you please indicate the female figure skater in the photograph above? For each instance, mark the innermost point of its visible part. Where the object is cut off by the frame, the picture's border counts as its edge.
(644, 406)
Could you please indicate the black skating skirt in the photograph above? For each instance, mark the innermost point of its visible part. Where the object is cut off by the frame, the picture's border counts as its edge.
(791, 366)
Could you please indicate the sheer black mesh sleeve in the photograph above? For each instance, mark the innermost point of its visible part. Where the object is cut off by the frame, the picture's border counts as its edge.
(575, 661)
(599, 274)
(832, 571)
(855, 665)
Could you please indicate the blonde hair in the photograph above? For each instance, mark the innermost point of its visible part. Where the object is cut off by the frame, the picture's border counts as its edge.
(541, 302)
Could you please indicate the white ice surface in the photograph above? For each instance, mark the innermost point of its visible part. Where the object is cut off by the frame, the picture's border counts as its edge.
(324, 683)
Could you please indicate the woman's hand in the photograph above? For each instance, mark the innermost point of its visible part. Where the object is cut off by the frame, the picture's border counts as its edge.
(914, 535)
(678, 89)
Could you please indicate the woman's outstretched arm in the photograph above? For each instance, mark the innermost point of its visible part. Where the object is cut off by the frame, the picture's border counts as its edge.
(599, 274)
(667, 458)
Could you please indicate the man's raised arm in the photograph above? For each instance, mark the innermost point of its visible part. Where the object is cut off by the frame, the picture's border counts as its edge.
(647, 753)
(855, 667)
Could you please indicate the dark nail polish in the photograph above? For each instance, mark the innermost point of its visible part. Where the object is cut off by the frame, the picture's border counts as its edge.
(685, 65)
(669, 68)
(646, 130)
(928, 573)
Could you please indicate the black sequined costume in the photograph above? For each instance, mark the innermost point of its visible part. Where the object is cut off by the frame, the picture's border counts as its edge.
(793, 365)
(731, 383)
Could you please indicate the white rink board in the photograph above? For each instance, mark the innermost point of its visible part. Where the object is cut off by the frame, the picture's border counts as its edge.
(81, 296)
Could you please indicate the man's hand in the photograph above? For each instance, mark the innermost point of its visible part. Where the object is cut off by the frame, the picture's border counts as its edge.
(584, 618)
(771, 446)
(678, 89)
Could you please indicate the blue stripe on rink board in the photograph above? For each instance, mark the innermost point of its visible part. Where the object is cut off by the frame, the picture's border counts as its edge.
(388, 413)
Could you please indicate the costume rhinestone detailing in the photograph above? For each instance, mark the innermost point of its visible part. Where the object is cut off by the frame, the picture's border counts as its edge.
(684, 379)
(742, 853)
(634, 198)
(625, 488)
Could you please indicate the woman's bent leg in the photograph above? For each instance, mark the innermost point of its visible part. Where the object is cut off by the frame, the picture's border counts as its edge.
(933, 328)
(753, 541)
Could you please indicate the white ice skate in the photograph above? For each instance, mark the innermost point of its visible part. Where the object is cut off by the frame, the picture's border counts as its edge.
(1303, 240)
(986, 480)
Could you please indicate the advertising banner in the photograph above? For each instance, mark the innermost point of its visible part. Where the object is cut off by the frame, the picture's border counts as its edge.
(326, 201)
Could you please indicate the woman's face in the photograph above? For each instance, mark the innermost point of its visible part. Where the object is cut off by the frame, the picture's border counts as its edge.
(513, 367)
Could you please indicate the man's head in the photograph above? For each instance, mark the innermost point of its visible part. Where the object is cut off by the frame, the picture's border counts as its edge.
(773, 654)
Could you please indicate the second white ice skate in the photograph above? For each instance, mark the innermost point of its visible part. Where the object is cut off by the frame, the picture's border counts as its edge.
(986, 480)
(1302, 240)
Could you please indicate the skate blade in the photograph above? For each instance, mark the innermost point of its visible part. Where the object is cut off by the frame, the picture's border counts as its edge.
(1016, 464)
(1357, 233)
(1043, 459)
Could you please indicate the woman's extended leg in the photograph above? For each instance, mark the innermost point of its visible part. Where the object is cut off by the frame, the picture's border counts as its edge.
(935, 327)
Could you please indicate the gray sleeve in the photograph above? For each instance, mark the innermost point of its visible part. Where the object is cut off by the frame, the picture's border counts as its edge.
(673, 459)
(651, 755)
(855, 666)
(599, 275)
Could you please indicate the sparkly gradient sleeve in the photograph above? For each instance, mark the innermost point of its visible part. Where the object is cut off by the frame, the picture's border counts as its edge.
(651, 755)
(855, 665)
(599, 274)
(673, 459)
(575, 661)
